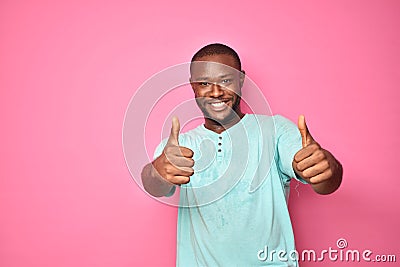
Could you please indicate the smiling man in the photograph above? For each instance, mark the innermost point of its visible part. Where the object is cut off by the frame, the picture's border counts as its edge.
(234, 172)
(217, 81)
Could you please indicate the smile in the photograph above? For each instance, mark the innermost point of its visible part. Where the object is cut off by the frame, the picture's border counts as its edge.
(218, 105)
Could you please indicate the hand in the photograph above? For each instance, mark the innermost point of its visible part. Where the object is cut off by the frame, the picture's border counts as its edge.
(175, 164)
(313, 163)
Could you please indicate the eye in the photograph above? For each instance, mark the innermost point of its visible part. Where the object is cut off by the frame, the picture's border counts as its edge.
(204, 83)
(226, 81)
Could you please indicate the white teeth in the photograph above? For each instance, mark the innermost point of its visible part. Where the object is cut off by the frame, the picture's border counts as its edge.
(218, 104)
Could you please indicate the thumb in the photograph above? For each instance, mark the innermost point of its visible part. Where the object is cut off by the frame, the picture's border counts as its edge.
(174, 135)
(306, 137)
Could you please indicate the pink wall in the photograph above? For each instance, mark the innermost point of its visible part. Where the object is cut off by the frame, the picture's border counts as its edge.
(68, 71)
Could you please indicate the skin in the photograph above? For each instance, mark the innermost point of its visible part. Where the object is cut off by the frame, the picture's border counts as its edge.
(215, 83)
(173, 167)
(218, 83)
(316, 165)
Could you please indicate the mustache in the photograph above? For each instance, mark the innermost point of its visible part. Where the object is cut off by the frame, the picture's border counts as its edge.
(213, 99)
(202, 101)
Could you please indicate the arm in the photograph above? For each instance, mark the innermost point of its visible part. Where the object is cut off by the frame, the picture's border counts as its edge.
(316, 165)
(172, 167)
(155, 184)
(319, 168)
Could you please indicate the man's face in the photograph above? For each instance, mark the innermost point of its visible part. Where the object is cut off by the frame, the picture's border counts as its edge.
(217, 83)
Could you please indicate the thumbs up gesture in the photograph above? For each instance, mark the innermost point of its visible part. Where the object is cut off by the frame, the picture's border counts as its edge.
(175, 164)
(316, 165)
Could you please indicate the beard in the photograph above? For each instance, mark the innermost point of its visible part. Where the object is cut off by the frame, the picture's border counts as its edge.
(231, 114)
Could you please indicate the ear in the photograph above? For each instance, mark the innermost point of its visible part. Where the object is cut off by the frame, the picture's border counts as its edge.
(241, 78)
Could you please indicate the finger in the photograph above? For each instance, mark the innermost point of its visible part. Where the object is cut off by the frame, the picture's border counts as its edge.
(310, 161)
(180, 179)
(306, 137)
(179, 151)
(185, 171)
(174, 135)
(321, 177)
(315, 170)
(183, 162)
(186, 152)
(306, 152)
(180, 171)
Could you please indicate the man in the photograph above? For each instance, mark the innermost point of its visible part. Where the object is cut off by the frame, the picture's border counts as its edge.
(234, 172)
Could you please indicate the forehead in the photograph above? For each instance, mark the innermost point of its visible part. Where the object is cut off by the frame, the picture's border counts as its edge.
(214, 66)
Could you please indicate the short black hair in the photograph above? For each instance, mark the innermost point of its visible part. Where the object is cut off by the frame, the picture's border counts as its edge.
(217, 49)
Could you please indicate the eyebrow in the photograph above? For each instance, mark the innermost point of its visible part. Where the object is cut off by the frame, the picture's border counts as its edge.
(226, 75)
(221, 77)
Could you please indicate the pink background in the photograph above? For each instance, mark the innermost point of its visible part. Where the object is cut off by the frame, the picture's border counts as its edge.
(67, 73)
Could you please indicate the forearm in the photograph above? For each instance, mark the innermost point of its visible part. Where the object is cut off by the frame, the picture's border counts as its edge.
(153, 183)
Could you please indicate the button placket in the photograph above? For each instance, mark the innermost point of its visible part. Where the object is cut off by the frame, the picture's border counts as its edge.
(219, 149)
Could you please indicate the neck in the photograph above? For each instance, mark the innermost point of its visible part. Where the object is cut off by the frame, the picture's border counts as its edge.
(219, 127)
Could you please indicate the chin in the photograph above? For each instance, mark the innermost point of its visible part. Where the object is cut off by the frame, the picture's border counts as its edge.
(220, 117)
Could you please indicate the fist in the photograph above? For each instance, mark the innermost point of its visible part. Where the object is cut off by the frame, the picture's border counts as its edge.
(313, 163)
(175, 164)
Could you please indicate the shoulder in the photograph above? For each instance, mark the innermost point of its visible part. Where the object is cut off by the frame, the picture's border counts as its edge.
(278, 121)
(281, 120)
(283, 124)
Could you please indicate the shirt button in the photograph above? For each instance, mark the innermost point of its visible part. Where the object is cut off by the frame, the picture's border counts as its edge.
(219, 144)
(219, 150)
(220, 137)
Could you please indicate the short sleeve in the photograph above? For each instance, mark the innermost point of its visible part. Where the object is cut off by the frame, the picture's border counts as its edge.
(288, 144)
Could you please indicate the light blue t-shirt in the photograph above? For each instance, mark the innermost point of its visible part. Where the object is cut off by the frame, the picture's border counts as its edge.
(234, 212)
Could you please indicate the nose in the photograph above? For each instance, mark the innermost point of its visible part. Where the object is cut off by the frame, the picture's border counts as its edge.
(216, 90)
